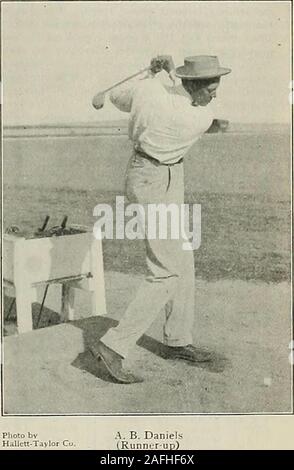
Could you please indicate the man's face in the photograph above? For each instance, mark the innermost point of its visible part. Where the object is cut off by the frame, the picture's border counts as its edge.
(206, 93)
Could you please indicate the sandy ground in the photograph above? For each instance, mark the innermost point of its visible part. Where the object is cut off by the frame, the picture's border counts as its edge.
(245, 324)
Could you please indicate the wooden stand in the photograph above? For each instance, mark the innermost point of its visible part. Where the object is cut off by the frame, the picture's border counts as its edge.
(75, 261)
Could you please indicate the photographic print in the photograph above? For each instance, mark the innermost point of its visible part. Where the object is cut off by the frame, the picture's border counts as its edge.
(146, 208)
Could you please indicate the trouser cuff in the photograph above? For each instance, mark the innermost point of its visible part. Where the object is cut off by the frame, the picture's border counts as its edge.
(114, 347)
(178, 342)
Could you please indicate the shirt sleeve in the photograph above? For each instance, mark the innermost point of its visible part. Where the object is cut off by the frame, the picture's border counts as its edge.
(122, 96)
(177, 89)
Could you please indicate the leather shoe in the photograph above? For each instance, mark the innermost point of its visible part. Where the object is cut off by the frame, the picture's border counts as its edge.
(113, 363)
(188, 353)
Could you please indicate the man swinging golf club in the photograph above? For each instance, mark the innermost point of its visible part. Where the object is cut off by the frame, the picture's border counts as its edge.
(164, 123)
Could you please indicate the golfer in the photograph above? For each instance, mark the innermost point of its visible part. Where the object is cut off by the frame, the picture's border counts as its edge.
(164, 123)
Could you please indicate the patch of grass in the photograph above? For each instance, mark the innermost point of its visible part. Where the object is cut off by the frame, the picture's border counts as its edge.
(244, 236)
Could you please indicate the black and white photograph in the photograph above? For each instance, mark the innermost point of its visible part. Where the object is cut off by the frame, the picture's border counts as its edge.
(146, 203)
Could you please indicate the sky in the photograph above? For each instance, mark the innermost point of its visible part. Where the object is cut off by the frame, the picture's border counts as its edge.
(57, 55)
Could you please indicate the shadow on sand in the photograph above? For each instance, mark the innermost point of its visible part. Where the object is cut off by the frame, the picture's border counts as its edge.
(95, 327)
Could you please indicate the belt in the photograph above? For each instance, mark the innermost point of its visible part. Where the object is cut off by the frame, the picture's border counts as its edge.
(154, 160)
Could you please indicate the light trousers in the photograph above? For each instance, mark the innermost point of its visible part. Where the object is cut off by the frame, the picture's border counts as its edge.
(170, 281)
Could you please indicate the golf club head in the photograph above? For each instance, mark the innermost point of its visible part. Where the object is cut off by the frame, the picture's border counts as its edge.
(98, 101)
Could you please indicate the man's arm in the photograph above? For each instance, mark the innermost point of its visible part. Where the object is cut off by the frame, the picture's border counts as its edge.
(122, 97)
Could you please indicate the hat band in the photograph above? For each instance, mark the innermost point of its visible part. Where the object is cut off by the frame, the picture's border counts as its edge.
(201, 72)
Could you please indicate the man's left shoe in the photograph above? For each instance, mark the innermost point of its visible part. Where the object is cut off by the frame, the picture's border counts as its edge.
(113, 363)
(188, 353)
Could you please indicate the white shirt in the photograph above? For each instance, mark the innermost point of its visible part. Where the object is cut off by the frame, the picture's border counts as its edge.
(163, 123)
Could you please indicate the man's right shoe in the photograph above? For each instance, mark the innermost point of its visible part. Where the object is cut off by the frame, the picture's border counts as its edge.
(188, 353)
(113, 363)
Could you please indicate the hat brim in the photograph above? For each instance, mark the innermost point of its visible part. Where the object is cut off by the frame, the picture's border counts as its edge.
(181, 73)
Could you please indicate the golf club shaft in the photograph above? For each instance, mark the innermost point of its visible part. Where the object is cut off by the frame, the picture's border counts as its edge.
(125, 80)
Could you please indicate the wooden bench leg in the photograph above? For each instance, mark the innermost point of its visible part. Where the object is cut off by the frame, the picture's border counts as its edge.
(23, 290)
(23, 294)
(67, 302)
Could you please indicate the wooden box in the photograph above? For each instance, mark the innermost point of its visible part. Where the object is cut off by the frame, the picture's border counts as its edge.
(75, 261)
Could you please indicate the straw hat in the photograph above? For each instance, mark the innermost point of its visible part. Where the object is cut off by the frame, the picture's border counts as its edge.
(201, 67)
